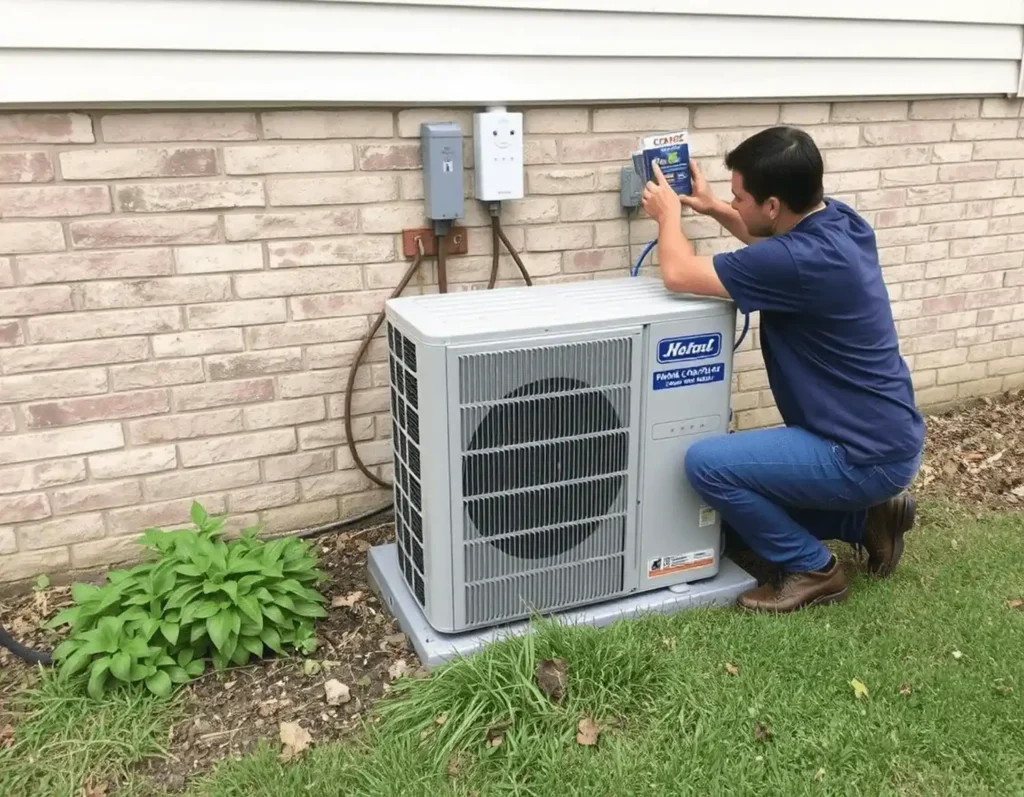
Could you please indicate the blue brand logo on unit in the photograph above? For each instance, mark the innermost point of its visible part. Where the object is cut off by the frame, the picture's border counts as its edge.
(692, 347)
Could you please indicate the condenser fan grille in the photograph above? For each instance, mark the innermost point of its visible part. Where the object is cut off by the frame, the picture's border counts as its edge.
(546, 434)
(406, 441)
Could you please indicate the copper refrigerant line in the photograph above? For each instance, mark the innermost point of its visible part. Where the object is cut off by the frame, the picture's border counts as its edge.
(498, 236)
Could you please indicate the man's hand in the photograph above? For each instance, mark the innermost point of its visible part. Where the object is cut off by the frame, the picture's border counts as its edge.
(702, 200)
(660, 201)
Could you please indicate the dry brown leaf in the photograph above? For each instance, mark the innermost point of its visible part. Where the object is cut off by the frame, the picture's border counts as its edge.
(95, 790)
(820, 774)
(441, 719)
(6, 737)
(587, 732)
(732, 669)
(336, 692)
(496, 733)
(295, 739)
(859, 689)
(454, 765)
(905, 690)
(397, 670)
(396, 639)
(1015, 604)
(348, 601)
(762, 732)
(552, 678)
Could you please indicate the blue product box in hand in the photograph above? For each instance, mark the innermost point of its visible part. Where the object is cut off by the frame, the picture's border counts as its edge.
(672, 152)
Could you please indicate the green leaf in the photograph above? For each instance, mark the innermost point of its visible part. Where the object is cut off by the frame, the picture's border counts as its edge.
(178, 675)
(121, 666)
(65, 648)
(148, 627)
(246, 583)
(286, 601)
(76, 662)
(159, 683)
(170, 632)
(195, 668)
(252, 644)
(304, 609)
(240, 656)
(140, 672)
(272, 639)
(198, 632)
(231, 588)
(245, 566)
(274, 614)
(219, 627)
(164, 581)
(82, 593)
(198, 514)
(98, 678)
(183, 594)
(230, 646)
(207, 608)
(65, 617)
(251, 609)
(137, 648)
(220, 661)
(191, 570)
(184, 657)
(290, 585)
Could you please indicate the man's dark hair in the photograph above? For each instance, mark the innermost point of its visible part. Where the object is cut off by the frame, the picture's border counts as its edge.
(783, 162)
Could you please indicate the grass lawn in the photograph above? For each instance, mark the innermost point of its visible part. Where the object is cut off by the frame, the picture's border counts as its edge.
(937, 647)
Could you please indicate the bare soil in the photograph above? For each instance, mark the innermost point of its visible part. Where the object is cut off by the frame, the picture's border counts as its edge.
(974, 456)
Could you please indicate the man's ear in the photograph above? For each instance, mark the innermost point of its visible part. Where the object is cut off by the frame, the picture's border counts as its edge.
(774, 207)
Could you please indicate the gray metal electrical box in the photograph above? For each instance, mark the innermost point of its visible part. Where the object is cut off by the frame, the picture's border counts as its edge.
(442, 169)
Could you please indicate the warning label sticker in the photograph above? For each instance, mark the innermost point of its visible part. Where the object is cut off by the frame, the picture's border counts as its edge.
(707, 516)
(668, 565)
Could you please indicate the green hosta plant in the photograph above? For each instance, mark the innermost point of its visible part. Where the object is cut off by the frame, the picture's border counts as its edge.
(202, 599)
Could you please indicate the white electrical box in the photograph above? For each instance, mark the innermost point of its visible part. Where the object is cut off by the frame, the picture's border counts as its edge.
(498, 155)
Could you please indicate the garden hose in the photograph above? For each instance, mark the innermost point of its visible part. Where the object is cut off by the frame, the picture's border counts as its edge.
(31, 655)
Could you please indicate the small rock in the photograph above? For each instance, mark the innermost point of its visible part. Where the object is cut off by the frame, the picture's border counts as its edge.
(396, 639)
(336, 692)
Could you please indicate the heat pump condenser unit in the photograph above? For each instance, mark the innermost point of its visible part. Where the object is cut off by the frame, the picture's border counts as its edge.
(539, 437)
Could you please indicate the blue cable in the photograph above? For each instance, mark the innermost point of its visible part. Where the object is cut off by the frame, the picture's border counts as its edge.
(635, 272)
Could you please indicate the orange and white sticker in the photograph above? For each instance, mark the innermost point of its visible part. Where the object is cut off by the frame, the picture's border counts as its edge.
(669, 565)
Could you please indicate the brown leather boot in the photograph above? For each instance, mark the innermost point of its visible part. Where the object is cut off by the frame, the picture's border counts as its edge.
(792, 591)
(884, 530)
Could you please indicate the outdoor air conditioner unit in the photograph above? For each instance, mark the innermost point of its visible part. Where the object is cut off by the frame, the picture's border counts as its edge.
(539, 436)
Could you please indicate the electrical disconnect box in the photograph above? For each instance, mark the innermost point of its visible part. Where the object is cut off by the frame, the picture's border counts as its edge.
(498, 151)
(441, 143)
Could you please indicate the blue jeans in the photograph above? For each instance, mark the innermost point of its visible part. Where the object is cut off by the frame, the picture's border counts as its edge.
(782, 491)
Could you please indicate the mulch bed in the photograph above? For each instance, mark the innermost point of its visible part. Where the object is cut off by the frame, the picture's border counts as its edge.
(975, 456)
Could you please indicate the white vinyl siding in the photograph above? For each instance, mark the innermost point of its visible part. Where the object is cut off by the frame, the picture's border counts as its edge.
(521, 51)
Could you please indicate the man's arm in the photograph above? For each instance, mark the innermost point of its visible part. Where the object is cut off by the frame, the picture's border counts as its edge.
(682, 270)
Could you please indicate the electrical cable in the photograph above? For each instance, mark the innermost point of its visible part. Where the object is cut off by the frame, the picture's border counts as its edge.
(441, 235)
(498, 236)
(350, 437)
(635, 272)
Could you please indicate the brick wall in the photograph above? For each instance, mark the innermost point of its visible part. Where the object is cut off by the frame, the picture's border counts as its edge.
(181, 294)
